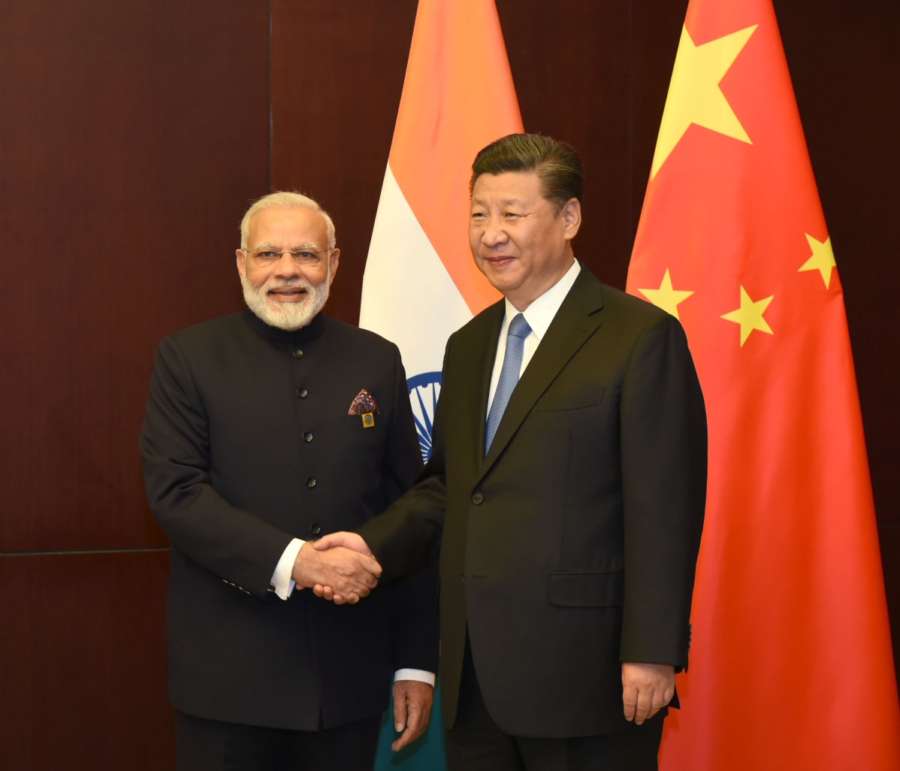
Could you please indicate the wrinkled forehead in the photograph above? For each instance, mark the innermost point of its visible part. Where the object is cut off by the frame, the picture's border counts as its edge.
(507, 187)
(288, 227)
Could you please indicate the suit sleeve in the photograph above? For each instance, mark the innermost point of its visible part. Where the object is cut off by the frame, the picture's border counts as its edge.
(406, 538)
(232, 543)
(664, 453)
(414, 601)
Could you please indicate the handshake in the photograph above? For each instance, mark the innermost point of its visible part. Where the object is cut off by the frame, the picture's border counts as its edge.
(339, 567)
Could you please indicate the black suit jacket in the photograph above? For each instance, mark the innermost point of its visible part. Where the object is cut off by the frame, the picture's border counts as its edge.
(571, 547)
(246, 444)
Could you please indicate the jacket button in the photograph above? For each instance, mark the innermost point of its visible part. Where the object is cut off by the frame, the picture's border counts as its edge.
(315, 529)
(297, 353)
(311, 482)
(308, 437)
(302, 392)
(477, 498)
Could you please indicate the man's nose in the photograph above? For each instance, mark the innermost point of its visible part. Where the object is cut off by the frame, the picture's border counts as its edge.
(286, 266)
(494, 233)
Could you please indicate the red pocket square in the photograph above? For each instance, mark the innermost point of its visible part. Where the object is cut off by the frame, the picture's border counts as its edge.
(362, 403)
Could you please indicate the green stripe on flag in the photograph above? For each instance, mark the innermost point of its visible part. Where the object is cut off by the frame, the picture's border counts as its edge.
(426, 754)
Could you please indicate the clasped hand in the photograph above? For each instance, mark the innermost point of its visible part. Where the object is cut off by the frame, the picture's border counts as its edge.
(334, 571)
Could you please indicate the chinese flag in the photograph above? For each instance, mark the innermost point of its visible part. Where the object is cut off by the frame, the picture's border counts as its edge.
(791, 662)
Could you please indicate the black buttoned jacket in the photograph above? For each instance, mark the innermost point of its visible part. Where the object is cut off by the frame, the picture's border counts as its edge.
(247, 443)
(571, 546)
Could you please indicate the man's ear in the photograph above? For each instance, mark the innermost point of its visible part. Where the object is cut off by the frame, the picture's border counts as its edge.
(240, 257)
(334, 261)
(571, 215)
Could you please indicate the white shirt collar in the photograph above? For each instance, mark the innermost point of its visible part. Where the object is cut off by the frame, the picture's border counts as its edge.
(541, 312)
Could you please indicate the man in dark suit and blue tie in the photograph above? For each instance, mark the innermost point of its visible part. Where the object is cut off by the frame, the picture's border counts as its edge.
(567, 488)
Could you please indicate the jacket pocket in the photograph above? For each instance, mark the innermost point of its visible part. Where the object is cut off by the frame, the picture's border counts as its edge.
(585, 589)
(569, 399)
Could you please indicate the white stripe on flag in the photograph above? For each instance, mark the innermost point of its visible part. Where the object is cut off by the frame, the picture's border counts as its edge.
(407, 295)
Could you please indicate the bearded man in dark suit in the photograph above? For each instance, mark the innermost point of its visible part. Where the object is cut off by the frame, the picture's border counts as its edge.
(567, 488)
(264, 430)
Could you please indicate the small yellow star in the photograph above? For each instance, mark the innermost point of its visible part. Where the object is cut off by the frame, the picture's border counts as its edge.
(694, 93)
(666, 297)
(822, 258)
(750, 316)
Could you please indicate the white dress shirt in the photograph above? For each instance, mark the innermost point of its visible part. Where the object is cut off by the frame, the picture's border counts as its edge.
(539, 315)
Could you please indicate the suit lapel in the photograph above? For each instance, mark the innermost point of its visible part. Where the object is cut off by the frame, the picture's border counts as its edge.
(577, 319)
(479, 352)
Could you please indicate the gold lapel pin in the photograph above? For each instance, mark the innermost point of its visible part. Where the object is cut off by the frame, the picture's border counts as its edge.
(368, 420)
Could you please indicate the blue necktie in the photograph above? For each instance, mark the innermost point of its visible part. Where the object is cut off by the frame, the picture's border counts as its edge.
(509, 376)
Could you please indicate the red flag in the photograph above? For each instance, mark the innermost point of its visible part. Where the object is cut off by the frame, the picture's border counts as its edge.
(791, 663)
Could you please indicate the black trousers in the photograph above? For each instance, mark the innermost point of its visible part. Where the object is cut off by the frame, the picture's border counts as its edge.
(209, 745)
(475, 743)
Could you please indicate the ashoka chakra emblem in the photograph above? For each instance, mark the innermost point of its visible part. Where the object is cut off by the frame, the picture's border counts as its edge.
(424, 391)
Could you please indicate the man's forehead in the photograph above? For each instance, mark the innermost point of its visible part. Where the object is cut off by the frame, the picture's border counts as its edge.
(294, 224)
(507, 187)
(292, 245)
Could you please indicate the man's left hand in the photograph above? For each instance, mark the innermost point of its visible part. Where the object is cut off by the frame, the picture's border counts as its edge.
(412, 711)
(646, 689)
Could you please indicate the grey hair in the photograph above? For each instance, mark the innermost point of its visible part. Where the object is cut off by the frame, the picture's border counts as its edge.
(286, 199)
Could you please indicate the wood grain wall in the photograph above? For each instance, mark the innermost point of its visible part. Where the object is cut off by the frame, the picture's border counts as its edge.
(133, 135)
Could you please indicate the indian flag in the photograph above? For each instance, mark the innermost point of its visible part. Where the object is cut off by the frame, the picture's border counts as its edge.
(420, 283)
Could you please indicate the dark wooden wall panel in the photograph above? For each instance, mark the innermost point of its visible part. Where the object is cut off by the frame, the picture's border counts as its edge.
(133, 136)
(82, 646)
(597, 75)
(134, 133)
(333, 121)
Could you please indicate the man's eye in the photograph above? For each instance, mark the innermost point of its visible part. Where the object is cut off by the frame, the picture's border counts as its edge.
(477, 216)
(267, 255)
(511, 215)
(304, 255)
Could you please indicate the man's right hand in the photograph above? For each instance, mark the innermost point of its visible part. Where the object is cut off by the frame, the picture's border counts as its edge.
(340, 540)
(352, 575)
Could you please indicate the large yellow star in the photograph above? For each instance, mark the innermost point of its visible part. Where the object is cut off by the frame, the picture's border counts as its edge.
(694, 93)
(750, 316)
(666, 297)
(822, 258)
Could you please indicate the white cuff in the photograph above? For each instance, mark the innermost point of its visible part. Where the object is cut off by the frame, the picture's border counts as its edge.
(282, 582)
(419, 675)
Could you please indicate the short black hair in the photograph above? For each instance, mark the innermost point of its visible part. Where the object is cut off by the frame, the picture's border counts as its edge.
(556, 163)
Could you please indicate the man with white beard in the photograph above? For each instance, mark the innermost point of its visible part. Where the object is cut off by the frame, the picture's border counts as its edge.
(265, 429)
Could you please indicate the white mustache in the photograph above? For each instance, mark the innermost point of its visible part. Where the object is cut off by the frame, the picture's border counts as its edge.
(275, 286)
